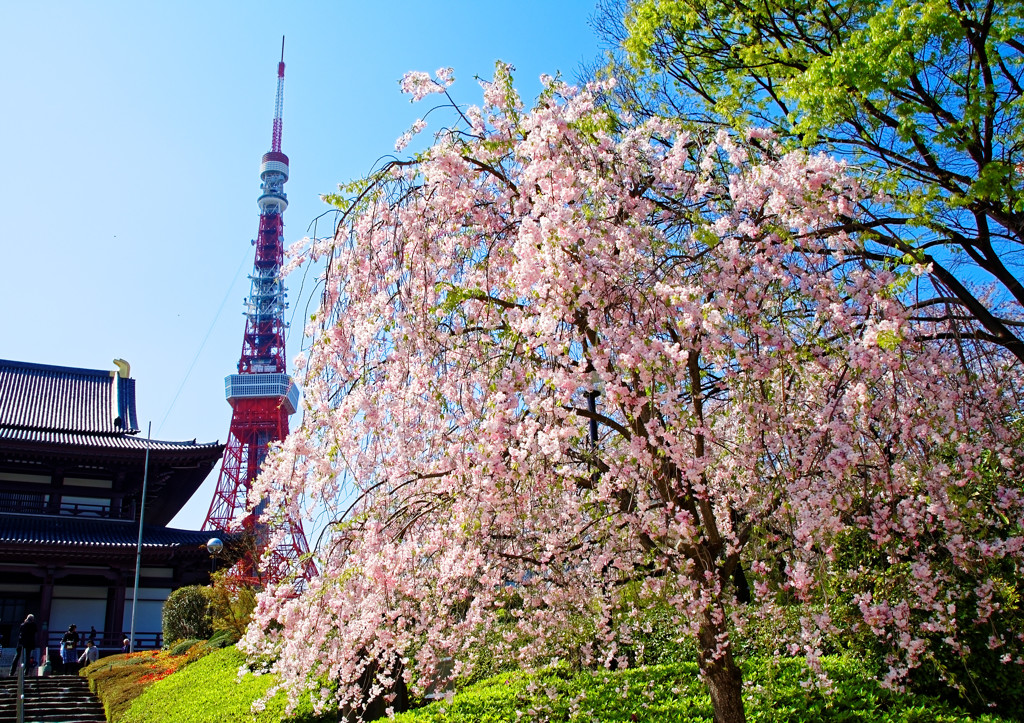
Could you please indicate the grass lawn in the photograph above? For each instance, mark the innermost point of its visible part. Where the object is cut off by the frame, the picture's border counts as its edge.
(207, 690)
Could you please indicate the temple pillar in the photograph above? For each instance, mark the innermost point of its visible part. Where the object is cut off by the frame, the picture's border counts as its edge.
(45, 605)
(115, 611)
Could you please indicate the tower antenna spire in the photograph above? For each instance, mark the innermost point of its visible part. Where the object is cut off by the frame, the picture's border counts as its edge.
(275, 141)
(262, 395)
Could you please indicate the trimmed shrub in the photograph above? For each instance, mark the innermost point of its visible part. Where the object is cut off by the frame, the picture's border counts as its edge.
(777, 691)
(187, 615)
(222, 639)
(182, 646)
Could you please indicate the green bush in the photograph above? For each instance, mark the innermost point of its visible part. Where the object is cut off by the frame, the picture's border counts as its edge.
(659, 638)
(776, 692)
(972, 674)
(187, 615)
(222, 639)
(976, 677)
(202, 648)
(978, 681)
(182, 646)
(232, 604)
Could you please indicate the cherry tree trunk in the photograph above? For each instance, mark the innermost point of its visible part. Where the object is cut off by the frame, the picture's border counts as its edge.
(720, 672)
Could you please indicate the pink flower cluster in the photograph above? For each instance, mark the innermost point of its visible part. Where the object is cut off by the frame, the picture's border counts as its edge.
(419, 84)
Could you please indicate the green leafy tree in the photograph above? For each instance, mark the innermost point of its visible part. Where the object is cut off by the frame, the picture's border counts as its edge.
(231, 604)
(924, 96)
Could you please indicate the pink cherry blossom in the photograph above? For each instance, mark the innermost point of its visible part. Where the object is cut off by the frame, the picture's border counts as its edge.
(419, 85)
(760, 407)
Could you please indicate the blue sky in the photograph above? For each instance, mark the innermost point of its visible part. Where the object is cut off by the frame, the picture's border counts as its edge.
(132, 135)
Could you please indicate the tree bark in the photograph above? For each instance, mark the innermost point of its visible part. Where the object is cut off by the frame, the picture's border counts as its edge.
(721, 674)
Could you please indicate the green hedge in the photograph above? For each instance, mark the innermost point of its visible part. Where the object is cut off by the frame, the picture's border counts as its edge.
(776, 693)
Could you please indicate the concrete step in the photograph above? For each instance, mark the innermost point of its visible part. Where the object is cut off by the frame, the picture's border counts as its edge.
(56, 704)
(55, 699)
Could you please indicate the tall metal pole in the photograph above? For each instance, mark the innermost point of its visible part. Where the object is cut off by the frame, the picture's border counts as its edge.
(138, 549)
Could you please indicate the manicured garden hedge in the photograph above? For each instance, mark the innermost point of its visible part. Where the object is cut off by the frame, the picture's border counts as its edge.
(776, 693)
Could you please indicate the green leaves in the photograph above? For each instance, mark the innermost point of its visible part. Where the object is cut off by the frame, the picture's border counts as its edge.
(925, 96)
(778, 692)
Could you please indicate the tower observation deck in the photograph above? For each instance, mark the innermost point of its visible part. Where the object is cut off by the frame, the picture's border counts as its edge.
(261, 394)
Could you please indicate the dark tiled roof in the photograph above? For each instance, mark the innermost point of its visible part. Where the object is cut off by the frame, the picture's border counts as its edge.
(118, 441)
(50, 415)
(82, 532)
(51, 405)
(41, 397)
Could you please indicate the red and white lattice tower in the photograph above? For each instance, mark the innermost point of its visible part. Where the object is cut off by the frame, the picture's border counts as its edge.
(261, 394)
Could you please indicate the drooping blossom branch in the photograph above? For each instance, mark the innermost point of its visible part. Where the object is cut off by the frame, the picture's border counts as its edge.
(760, 409)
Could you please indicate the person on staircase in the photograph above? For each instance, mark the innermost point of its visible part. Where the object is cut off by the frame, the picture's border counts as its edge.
(26, 642)
(90, 655)
(69, 650)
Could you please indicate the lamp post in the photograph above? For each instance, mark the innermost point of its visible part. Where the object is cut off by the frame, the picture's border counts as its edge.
(138, 550)
(214, 546)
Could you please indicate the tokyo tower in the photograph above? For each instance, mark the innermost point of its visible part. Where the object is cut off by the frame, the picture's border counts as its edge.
(262, 395)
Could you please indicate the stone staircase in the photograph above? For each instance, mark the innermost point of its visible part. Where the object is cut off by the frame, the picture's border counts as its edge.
(53, 699)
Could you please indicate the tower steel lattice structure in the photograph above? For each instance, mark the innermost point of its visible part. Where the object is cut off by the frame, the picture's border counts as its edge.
(262, 395)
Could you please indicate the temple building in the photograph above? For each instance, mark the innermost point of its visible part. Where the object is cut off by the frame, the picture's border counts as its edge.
(72, 464)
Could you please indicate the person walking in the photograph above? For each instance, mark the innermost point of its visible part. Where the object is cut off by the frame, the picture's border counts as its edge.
(26, 641)
(90, 655)
(69, 649)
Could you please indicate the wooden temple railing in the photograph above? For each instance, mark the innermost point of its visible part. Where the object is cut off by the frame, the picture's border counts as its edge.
(107, 642)
(26, 503)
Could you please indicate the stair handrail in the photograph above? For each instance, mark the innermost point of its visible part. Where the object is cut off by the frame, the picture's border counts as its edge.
(21, 687)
